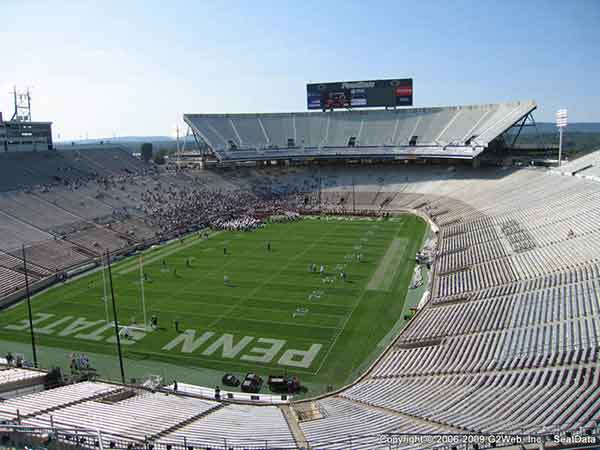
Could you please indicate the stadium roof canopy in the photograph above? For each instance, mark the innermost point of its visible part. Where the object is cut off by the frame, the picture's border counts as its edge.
(442, 132)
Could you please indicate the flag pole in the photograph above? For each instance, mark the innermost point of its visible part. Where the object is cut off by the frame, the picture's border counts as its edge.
(142, 288)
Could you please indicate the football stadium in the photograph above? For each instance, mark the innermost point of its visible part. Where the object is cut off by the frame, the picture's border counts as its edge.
(366, 274)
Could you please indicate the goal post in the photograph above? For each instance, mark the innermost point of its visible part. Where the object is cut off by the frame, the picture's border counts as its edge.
(145, 327)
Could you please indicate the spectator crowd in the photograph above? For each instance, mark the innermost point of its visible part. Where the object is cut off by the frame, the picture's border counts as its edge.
(173, 208)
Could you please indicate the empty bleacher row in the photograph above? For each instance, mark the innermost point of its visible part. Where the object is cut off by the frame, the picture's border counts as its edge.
(140, 416)
(53, 255)
(16, 264)
(349, 424)
(9, 376)
(10, 281)
(16, 232)
(74, 202)
(98, 240)
(584, 166)
(133, 228)
(464, 257)
(39, 403)
(23, 169)
(20, 170)
(27, 208)
(543, 324)
(135, 419)
(572, 342)
(509, 402)
(236, 425)
(461, 279)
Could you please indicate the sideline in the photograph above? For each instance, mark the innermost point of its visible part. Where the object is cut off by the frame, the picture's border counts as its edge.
(131, 265)
(388, 267)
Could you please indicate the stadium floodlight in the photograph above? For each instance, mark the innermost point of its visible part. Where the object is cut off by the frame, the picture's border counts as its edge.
(561, 123)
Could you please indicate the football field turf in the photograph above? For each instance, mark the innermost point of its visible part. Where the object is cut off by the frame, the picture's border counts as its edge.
(272, 316)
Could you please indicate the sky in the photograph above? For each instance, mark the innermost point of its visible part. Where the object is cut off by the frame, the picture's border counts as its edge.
(132, 68)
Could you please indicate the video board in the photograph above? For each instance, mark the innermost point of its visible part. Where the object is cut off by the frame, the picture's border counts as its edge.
(360, 94)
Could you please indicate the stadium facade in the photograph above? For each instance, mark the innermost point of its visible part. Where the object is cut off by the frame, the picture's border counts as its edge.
(16, 136)
(20, 133)
(456, 132)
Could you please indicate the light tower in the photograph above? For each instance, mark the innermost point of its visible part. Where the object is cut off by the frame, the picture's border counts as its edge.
(22, 101)
(561, 123)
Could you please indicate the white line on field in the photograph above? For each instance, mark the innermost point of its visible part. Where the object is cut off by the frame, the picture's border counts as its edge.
(341, 330)
(261, 285)
(163, 253)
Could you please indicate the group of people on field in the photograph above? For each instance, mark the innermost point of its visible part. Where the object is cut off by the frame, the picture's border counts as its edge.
(172, 208)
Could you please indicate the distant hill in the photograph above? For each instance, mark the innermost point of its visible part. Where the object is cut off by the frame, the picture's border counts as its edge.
(120, 139)
(133, 143)
(579, 138)
(576, 127)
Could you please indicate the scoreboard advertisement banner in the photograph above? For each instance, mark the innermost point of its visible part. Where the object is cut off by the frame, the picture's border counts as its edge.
(360, 94)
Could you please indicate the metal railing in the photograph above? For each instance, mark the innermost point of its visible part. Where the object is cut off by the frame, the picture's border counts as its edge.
(101, 440)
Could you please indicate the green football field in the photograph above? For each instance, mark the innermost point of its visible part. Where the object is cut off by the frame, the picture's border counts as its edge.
(273, 316)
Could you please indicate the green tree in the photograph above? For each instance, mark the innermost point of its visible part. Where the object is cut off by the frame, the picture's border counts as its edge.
(146, 152)
(159, 157)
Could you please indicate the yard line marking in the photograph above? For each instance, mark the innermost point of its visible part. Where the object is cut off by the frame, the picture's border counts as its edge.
(261, 285)
(388, 267)
(160, 253)
(277, 300)
(341, 330)
(187, 313)
(183, 285)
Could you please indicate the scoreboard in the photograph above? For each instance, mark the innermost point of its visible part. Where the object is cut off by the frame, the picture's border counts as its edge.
(360, 94)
